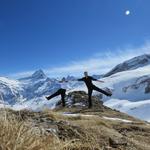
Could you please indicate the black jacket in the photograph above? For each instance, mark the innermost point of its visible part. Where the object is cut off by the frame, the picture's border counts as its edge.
(88, 81)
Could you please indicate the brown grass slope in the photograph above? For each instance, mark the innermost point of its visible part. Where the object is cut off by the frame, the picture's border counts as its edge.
(89, 130)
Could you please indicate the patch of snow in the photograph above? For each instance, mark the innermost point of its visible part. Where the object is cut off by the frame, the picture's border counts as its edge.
(76, 115)
(79, 104)
(117, 119)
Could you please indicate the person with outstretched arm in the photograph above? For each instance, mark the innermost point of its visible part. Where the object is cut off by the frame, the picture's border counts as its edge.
(88, 81)
(61, 91)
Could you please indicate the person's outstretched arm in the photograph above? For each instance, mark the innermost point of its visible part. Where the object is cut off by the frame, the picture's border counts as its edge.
(81, 79)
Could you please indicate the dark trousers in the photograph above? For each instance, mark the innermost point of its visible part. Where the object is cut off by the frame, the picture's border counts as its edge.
(61, 92)
(90, 90)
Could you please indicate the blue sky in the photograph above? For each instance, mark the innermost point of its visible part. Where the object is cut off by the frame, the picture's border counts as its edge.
(68, 36)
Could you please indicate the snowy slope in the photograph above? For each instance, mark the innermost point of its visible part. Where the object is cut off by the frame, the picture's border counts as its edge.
(140, 109)
(132, 85)
(131, 92)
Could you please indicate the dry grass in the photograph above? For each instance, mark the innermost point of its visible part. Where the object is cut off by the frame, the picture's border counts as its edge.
(18, 135)
(21, 135)
(93, 134)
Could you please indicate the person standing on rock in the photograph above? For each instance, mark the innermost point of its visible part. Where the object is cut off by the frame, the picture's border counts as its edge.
(88, 81)
(61, 91)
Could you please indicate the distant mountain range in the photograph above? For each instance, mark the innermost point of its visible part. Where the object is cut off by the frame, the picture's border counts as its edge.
(129, 81)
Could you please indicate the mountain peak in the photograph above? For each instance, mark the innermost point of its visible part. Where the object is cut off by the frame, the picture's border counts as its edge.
(131, 64)
(39, 74)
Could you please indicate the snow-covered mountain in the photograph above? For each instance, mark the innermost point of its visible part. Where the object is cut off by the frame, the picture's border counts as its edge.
(37, 85)
(129, 82)
(31, 89)
(13, 91)
(132, 85)
(131, 64)
(10, 90)
(131, 92)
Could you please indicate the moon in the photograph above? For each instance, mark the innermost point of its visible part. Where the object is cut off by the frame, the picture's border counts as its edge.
(127, 12)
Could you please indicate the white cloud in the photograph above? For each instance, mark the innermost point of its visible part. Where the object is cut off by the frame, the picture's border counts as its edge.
(98, 64)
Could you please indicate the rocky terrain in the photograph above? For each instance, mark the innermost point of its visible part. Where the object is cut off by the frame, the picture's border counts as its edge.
(74, 127)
